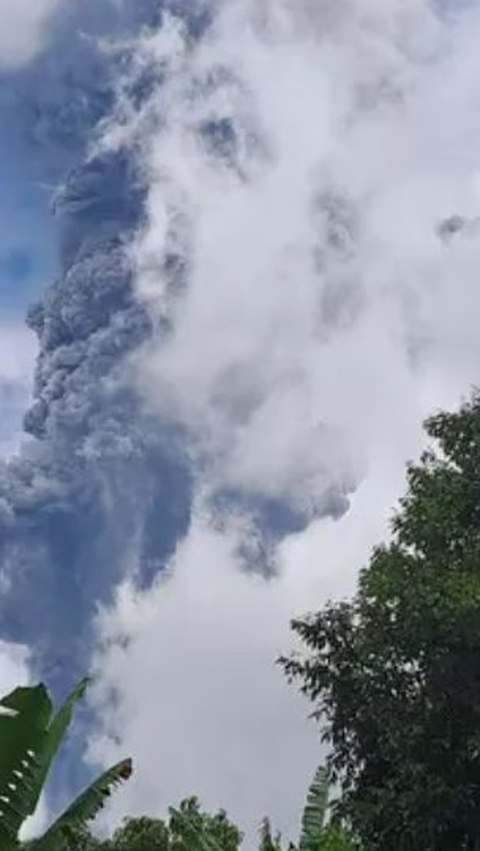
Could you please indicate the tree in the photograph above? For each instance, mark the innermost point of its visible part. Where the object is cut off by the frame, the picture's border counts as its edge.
(79, 838)
(395, 673)
(140, 834)
(193, 830)
(188, 829)
(30, 736)
(268, 842)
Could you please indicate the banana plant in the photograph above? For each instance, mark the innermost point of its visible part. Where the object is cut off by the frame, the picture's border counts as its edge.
(317, 833)
(315, 812)
(30, 737)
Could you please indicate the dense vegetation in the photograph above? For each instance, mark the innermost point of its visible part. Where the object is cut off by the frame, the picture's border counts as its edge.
(190, 829)
(394, 675)
(187, 828)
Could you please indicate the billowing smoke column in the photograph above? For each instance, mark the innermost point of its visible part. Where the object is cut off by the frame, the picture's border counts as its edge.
(94, 482)
(96, 479)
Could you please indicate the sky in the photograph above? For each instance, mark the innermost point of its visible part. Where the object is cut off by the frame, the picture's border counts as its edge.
(227, 303)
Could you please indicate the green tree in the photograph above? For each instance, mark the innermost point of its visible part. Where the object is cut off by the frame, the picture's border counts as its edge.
(188, 829)
(140, 834)
(334, 837)
(193, 830)
(395, 673)
(30, 736)
(268, 842)
(79, 838)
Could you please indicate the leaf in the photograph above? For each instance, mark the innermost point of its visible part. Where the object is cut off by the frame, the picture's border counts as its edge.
(29, 741)
(54, 737)
(85, 807)
(314, 814)
(23, 722)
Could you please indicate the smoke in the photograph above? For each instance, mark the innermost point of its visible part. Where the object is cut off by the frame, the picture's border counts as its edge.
(68, 518)
(308, 309)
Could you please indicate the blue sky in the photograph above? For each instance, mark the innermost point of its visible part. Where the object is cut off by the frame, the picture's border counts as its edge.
(28, 259)
(27, 263)
(223, 230)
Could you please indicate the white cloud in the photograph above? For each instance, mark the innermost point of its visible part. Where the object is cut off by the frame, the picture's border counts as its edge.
(18, 350)
(14, 666)
(319, 301)
(187, 682)
(23, 29)
(205, 703)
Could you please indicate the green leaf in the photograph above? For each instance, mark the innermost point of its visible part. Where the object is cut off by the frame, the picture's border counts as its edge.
(85, 807)
(315, 811)
(25, 714)
(54, 737)
(29, 741)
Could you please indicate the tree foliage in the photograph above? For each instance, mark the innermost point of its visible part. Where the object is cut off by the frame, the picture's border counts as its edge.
(395, 673)
(140, 834)
(188, 828)
(268, 842)
(193, 830)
